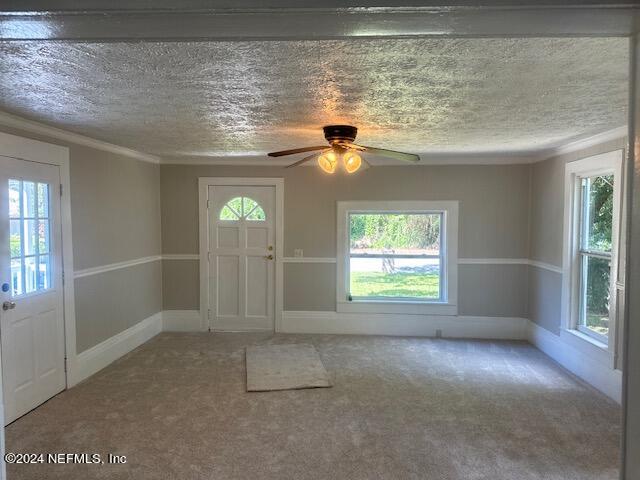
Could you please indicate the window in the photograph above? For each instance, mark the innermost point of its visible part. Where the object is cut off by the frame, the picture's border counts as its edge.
(593, 197)
(397, 257)
(595, 227)
(29, 245)
(242, 208)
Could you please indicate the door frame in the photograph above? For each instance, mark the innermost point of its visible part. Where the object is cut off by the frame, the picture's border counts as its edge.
(21, 148)
(203, 188)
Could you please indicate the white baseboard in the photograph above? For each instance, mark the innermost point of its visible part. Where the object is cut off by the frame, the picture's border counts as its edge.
(589, 368)
(327, 322)
(182, 321)
(96, 358)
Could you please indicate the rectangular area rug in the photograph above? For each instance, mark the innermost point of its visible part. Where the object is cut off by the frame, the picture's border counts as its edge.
(284, 367)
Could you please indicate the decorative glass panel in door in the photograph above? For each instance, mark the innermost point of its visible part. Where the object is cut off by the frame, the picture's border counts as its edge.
(29, 242)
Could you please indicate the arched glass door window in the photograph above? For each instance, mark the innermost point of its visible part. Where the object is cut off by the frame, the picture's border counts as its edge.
(239, 208)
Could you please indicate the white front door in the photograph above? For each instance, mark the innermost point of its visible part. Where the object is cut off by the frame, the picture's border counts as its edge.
(241, 257)
(31, 293)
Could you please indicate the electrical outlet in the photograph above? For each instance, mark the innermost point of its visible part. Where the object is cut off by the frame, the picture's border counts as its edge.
(438, 333)
(298, 253)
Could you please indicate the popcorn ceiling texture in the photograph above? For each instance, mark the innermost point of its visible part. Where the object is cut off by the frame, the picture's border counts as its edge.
(240, 98)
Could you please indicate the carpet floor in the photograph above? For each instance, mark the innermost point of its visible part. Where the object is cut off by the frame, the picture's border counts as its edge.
(399, 408)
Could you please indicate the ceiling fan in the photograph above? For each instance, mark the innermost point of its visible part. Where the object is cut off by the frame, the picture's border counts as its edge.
(341, 146)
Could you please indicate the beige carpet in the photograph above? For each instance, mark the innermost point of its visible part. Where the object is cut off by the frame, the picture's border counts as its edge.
(400, 408)
(284, 367)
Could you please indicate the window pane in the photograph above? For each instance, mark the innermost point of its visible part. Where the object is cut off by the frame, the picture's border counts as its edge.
(44, 273)
(43, 200)
(14, 198)
(257, 214)
(16, 277)
(29, 237)
(409, 234)
(598, 216)
(248, 204)
(399, 277)
(14, 237)
(227, 214)
(43, 236)
(236, 205)
(252, 210)
(595, 294)
(30, 274)
(29, 199)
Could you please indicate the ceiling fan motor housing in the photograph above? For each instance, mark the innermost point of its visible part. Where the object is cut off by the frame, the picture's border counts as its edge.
(340, 133)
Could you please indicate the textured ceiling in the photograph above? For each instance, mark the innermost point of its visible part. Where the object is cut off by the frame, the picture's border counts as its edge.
(243, 98)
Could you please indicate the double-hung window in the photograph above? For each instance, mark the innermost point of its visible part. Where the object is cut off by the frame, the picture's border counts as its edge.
(594, 254)
(397, 257)
(593, 203)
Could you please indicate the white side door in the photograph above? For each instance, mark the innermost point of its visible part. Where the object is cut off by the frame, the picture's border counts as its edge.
(241, 257)
(31, 293)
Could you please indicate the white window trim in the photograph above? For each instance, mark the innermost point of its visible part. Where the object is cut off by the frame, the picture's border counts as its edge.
(449, 210)
(610, 162)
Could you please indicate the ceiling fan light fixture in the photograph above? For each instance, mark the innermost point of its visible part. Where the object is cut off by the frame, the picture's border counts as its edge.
(328, 161)
(352, 161)
(342, 149)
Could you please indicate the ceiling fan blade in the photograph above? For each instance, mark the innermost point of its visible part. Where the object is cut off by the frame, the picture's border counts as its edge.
(305, 159)
(282, 153)
(383, 152)
(352, 146)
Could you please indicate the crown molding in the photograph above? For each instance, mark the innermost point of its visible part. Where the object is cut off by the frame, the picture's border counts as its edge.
(14, 121)
(584, 143)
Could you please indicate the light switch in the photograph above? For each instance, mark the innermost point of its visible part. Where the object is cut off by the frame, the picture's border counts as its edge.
(297, 252)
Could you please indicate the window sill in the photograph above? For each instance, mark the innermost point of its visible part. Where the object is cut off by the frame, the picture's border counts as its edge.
(588, 339)
(589, 346)
(405, 307)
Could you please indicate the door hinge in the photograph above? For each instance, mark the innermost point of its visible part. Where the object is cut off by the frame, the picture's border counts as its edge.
(209, 314)
(63, 277)
(65, 365)
(209, 203)
(60, 189)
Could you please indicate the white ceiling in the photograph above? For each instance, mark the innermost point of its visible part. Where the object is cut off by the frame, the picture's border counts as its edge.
(435, 95)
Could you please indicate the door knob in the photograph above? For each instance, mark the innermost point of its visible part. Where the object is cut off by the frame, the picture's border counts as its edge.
(8, 305)
(269, 257)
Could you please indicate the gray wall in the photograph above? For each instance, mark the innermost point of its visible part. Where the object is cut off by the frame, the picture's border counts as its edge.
(110, 302)
(115, 210)
(494, 203)
(546, 233)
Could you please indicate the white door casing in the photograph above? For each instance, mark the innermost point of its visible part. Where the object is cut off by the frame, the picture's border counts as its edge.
(33, 336)
(241, 257)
